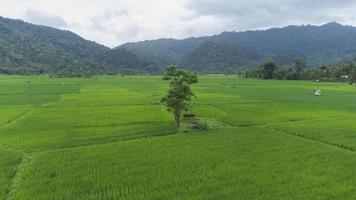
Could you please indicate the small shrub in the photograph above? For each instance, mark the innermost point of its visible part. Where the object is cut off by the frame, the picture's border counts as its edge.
(200, 125)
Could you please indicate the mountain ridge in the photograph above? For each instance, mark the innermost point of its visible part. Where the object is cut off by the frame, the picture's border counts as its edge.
(28, 48)
(317, 45)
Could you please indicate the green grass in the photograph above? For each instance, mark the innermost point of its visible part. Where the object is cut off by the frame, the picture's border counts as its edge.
(186, 166)
(109, 138)
(9, 160)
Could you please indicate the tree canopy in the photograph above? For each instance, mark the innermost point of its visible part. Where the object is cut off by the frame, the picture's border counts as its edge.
(268, 69)
(179, 94)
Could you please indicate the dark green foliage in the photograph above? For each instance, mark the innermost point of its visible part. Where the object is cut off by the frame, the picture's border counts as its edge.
(268, 69)
(282, 73)
(122, 60)
(180, 93)
(211, 57)
(299, 67)
(316, 45)
(26, 48)
(31, 49)
(345, 71)
(72, 75)
(199, 125)
(194, 123)
(169, 50)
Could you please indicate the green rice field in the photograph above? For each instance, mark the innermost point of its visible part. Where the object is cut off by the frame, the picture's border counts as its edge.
(108, 138)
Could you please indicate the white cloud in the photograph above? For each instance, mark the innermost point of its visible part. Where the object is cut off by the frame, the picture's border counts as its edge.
(41, 18)
(112, 22)
(246, 14)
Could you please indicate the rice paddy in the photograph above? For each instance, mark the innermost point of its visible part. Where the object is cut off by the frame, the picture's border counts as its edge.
(108, 137)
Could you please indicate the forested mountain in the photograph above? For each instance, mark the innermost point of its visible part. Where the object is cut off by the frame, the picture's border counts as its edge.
(121, 60)
(211, 57)
(172, 50)
(317, 45)
(28, 48)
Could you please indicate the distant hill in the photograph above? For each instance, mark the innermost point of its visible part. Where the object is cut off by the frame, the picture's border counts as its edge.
(122, 60)
(317, 45)
(213, 57)
(28, 48)
(170, 49)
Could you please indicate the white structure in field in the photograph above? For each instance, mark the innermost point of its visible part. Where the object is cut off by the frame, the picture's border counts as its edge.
(317, 92)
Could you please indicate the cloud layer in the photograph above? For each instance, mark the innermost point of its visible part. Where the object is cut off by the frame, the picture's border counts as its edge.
(39, 17)
(113, 22)
(257, 14)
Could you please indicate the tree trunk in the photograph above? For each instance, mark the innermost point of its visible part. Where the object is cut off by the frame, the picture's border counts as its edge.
(177, 116)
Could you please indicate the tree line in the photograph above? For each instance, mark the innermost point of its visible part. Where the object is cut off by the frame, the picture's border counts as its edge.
(300, 71)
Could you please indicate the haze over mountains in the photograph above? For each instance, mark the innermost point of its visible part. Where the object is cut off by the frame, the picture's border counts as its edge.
(28, 48)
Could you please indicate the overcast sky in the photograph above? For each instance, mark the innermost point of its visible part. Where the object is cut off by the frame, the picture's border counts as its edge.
(113, 22)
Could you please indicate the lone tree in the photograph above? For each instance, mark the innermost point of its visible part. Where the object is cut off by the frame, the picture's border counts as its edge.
(299, 68)
(268, 69)
(179, 94)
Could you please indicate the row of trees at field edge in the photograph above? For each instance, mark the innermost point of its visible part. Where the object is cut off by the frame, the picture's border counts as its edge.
(270, 70)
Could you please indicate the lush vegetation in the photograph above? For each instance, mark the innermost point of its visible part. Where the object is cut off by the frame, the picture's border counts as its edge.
(343, 72)
(108, 137)
(180, 93)
(26, 48)
(31, 49)
(318, 45)
(212, 57)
